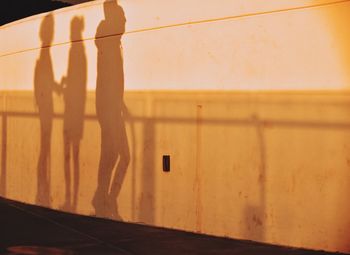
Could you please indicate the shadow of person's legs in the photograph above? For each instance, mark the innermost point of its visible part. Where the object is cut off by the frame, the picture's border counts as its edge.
(119, 175)
(43, 167)
(76, 148)
(108, 159)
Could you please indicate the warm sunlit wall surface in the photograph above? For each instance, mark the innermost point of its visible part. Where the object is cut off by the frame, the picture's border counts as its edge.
(249, 98)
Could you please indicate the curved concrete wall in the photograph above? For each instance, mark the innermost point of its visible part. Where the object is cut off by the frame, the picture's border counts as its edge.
(251, 102)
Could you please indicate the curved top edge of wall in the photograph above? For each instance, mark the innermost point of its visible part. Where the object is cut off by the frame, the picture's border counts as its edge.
(53, 12)
(142, 16)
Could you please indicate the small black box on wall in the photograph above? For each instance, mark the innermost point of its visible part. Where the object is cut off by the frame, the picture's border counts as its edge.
(166, 163)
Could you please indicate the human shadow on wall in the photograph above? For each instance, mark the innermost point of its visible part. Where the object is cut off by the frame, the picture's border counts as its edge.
(44, 85)
(74, 92)
(110, 110)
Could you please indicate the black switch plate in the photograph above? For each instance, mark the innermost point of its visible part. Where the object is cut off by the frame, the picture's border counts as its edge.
(166, 163)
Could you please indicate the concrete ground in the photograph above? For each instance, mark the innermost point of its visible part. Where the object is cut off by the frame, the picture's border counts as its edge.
(26, 229)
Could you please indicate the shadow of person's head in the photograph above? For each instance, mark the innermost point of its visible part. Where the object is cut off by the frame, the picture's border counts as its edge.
(76, 28)
(47, 30)
(114, 16)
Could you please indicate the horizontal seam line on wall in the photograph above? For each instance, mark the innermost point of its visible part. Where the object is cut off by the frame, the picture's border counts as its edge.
(252, 120)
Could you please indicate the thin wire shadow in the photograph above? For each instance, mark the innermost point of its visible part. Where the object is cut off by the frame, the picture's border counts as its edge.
(74, 91)
(44, 85)
(110, 110)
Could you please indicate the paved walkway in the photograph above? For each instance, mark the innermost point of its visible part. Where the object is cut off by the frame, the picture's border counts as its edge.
(26, 229)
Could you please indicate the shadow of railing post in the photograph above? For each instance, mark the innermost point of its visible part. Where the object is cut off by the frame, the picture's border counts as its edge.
(146, 204)
(3, 154)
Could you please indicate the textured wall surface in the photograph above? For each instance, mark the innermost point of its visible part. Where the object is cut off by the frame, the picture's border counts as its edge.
(251, 102)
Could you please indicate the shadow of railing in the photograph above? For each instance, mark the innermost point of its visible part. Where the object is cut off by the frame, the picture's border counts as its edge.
(148, 128)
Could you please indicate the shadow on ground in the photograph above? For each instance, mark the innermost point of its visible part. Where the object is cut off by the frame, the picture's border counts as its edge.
(27, 229)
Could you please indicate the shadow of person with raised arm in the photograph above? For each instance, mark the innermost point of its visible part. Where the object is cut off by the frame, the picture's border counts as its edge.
(44, 85)
(74, 101)
(110, 111)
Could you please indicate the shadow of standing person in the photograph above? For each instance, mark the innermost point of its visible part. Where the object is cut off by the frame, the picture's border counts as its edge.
(44, 85)
(74, 100)
(110, 111)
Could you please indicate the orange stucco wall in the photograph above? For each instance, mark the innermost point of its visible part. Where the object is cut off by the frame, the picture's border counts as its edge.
(250, 100)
